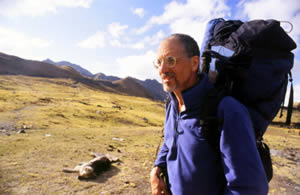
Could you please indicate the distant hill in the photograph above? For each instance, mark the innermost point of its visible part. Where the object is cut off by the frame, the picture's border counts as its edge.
(153, 86)
(75, 66)
(102, 76)
(131, 86)
(13, 65)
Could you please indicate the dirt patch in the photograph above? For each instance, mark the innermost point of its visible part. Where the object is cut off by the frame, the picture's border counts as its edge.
(285, 151)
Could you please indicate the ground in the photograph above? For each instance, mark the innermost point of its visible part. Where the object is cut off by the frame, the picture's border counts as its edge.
(64, 121)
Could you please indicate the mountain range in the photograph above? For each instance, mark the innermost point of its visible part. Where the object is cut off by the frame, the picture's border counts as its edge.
(151, 85)
(13, 65)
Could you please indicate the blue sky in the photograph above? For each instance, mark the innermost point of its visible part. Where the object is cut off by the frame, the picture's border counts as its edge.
(120, 37)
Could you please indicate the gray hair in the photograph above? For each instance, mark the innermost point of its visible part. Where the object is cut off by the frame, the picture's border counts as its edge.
(190, 45)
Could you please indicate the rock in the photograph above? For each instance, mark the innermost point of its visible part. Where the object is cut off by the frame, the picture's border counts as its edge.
(131, 184)
(117, 106)
(118, 139)
(110, 148)
(21, 131)
(99, 112)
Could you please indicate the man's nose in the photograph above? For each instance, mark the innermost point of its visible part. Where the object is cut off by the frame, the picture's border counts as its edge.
(163, 67)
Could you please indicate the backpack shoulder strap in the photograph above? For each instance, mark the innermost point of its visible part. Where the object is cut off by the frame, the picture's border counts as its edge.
(208, 116)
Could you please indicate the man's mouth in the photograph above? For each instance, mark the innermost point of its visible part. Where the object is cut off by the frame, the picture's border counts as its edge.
(167, 77)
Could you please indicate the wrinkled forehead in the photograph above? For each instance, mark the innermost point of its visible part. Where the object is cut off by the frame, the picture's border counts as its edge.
(170, 47)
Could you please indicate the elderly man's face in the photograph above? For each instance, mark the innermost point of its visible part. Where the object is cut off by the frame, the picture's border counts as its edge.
(182, 75)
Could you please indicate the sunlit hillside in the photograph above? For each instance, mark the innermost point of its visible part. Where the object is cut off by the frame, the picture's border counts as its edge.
(64, 121)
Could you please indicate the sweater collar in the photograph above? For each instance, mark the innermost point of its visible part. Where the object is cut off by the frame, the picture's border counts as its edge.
(193, 96)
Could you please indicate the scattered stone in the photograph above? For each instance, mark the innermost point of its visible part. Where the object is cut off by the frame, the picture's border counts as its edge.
(117, 139)
(110, 148)
(117, 106)
(60, 115)
(99, 112)
(47, 135)
(85, 103)
(21, 131)
(45, 100)
(276, 152)
(132, 184)
(29, 126)
(99, 106)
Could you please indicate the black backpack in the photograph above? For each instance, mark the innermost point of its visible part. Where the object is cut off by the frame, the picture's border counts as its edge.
(253, 61)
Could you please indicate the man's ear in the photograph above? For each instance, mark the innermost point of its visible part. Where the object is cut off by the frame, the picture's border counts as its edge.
(195, 63)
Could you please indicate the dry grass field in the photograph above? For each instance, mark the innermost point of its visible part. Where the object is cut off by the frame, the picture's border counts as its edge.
(65, 120)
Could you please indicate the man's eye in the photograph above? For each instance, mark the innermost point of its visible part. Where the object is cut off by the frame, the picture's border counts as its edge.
(170, 60)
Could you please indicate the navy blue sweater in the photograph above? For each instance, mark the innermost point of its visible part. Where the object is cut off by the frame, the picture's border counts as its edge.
(193, 166)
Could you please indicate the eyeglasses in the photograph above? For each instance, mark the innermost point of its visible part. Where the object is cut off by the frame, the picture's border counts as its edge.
(170, 61)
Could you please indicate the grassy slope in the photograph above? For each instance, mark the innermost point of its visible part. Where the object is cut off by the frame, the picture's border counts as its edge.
(285, 143)
(81, 120)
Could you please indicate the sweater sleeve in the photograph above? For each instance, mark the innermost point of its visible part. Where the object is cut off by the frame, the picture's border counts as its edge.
(161, 157)
(242, 165)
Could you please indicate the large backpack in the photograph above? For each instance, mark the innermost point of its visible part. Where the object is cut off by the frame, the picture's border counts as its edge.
(252, 61)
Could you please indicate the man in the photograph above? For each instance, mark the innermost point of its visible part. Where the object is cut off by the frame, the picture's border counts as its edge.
(193, 166)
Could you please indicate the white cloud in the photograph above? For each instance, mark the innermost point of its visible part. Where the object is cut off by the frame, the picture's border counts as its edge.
(116, 29)
(98, 40)
(189, 24)
(139, 66)
(296, 68)
(138, 45)
(189, 18)
(296, 89)
(154, 39)
(147, 41)
(296, 93)
(116, 43)
(139, 12)
(282, 10)
(18, 43)
(37, 8)
(113, 37)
